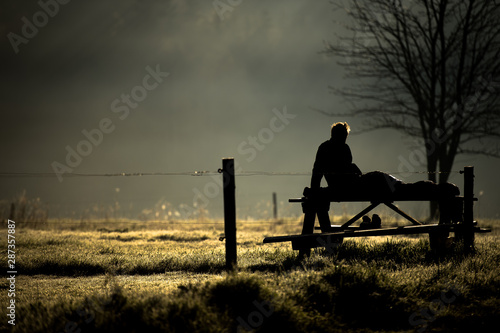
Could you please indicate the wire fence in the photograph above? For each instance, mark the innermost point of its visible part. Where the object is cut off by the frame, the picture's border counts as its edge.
(168, 174)
(186, 173)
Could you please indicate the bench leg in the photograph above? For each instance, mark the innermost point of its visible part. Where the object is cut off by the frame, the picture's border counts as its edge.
(324, 220)
(439, 242)
(311, 209)
(307, 227)
(450, 212)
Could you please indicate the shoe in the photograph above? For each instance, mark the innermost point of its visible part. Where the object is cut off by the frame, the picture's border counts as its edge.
(366, 224)
(376, 221)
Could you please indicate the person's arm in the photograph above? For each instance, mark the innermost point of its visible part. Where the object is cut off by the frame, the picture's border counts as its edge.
(317, 172)
(348, 154)
(316, 179)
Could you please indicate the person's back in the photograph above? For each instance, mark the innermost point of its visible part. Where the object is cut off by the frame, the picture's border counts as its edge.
(334, 160)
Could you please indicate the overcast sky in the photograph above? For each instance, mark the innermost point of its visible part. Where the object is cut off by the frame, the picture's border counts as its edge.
(175, 86)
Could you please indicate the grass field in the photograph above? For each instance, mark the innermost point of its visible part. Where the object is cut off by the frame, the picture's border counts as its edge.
(170, 277)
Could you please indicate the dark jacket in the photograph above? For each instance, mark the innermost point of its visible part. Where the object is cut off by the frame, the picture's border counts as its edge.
(334, 161)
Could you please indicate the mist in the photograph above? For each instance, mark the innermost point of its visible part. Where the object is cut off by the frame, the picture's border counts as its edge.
(173, 87)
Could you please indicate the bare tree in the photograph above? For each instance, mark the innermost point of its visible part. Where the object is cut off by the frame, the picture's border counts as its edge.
(427, 68)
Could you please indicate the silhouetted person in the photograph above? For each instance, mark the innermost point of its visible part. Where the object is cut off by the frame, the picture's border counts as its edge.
(334, 160)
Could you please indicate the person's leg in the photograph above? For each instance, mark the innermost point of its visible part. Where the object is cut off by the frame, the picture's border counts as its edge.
(322, 202)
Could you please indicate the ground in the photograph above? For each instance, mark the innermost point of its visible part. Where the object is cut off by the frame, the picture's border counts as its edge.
(134, 276)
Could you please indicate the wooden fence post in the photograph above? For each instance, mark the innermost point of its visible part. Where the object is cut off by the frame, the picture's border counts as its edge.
(229, 212)
(275, 206)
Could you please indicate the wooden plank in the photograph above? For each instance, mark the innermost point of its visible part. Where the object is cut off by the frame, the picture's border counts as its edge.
(367, 199)
(328, 242)
(338, 227)
(279, 239)
(371, 199)
(403, 230)
(403, 214)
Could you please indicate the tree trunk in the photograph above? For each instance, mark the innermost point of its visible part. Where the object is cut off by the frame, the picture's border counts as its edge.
(432, 161)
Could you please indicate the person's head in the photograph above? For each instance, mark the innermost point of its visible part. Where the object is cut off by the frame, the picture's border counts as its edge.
(340, 131)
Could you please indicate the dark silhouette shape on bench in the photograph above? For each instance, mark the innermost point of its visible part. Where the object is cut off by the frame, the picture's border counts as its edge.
(346, 183)
(334, 160)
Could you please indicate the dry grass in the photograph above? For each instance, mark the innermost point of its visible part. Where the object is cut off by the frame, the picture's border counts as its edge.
(177, 269)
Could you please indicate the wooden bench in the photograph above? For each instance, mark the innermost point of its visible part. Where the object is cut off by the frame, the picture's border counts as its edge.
(332, 235)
